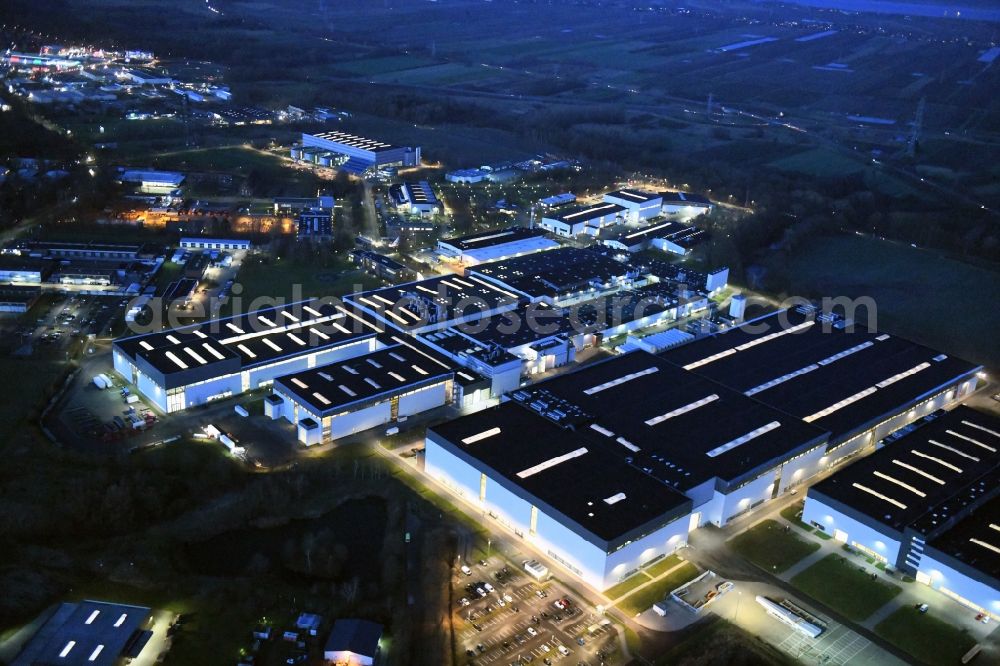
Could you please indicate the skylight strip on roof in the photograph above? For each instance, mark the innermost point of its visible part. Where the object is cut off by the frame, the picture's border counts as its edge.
(373, 383)
(419, 369)
(325, 376)
(347, 390)
(743, 439)
(710, 359)
(121, 620)
(383, 299)
(145, 345)
(297, 339)
(423, 288)
(322, 398)
(614, 499)
(901, 484)
(973, 441)
(682, 410)
(943, 463)
(176, 359)
(398, 377)
(267, 321)
(627, 444)
(847, 352)
(604, 431)
(195, 355)
(396, 356)
(994, 526)
(96, 653)
(621, 380)
(464, 283)
(369, 303)
(917, 470)
(494, 287)
(298, 382)
(289, 315)
(314, 312)
(421, 352)
(648, 230)
(989, 546)
(340, 327)
(903, 375)
(465, 376)
(781, 380)
(200, 334)
(879, 495)
(777, 334)
(173, 339)
(980, 427)
(407, 311)
(551, 462)
(66, 649)
(246, 350)
(860, 395)
(480, 436)
(953, 450)
(92, 617)
(321, 334)
(271, 344)
(234, 327)
(366, 323)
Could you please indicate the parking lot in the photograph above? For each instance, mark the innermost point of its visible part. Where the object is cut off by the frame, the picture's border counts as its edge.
(521, 621)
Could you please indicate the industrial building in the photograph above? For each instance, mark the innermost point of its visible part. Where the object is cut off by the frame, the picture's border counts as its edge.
(494, 245)
(88, 633)
(198, 243)
(154, 182)
(556, 200)
(671, 236)
(24, 270)
(416, 198)
(466, 176)
(858, 385)
(353, 643)
(338, 399)
(586, 220)
(729, 422)
(641, 206)
(626, 456)
(925, 503)
(69, 250)
(294, 205)
(685, 204)
(179, 368)
(435, 303)
(380, 265)
(18, 299)
(352, 153)
(314, 223)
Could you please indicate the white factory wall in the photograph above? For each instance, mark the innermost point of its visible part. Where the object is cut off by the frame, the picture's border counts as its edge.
(309, 437)
(573, 552)
(628, 558)
(123, 366)
(800, 468)
(846, 529)
(460, 477)
(150, 390)
(426, 398)
(976, 594)
(352, 422)
(746, 497)
(199, 394)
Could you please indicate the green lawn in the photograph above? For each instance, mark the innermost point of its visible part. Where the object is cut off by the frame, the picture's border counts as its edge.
(771, 547)
(292, 278)
(791, 514)
(841, 585)
(663, 565)
(649, 595)
(627, 585)
(924, 636)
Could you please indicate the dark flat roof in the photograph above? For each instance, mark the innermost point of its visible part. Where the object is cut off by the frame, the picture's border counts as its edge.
(255, 338)
(564, 470)
(682, 428)
(975, 540)
(917, 479)
(438, 299)
(585, 213)
(455, 342)
(685, 198)
(110, 626)
(819, 370)
(491, 238)
(328, 389)
(559, 271)
(635, 196)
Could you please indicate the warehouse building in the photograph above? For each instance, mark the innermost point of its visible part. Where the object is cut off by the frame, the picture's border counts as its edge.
(18, 299)
(24, 270)
(416, 198)
(352, 153)
(198, 243)
(88, 633)
(67, 250)
(338, 399)
(858, 385)
(560, 276)
(295, 205)
(640, 206)
(500, 368)
(557, 200)
(924, 503)
(193, 365)
(626, 456)
(670, 236)
(494, 245)
(685, 204)
(587, 220)
(154, 182)
(435, 303)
